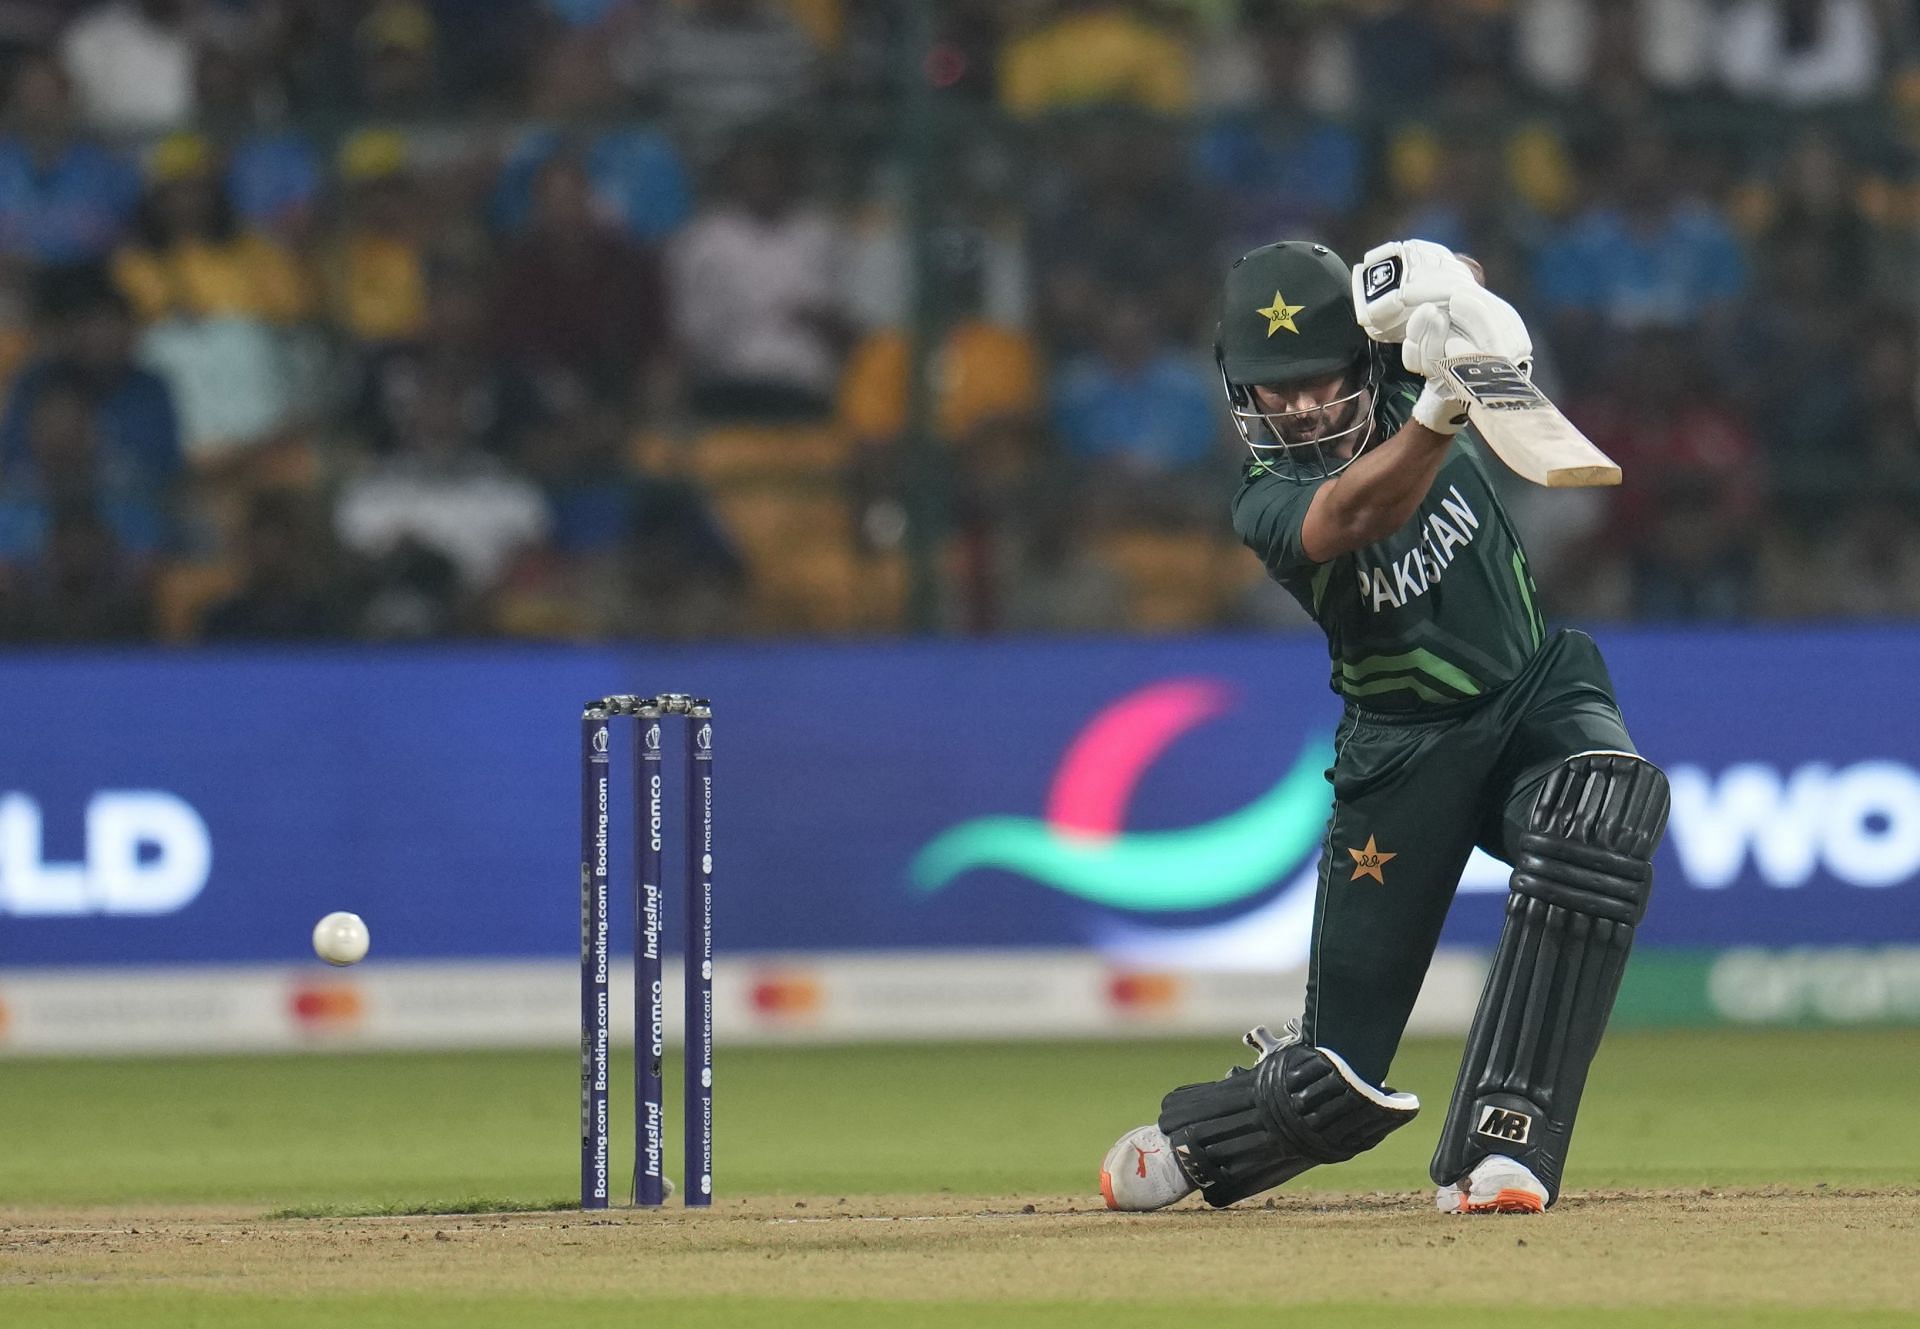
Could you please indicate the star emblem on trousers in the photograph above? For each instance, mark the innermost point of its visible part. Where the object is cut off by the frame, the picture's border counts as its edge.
(1367, 862)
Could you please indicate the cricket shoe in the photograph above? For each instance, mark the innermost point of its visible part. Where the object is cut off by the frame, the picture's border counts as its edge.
(1140, 1172)
(1497, 1185)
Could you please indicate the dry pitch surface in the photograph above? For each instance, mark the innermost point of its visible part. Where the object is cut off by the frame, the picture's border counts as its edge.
(1709, 1257)
(1719, 1180)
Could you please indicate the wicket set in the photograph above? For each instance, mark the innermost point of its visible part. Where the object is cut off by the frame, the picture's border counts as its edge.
(649, 1000)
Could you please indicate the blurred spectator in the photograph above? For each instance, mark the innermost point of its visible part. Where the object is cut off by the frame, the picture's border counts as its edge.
(216, 297)
(274, 175)
(1403, 47)
(1229, 59)
(455, 349)
(1061, 586)
(441, 520)
(985, 375)
(630, 555)
(272, 293)
(1598, 48)
(578, 297)
(575, 450)
(1890, 410)
(63, 199)
(88, 350)
(717, 65)
(1800, 52)
(18, 334)
(1096, 52)
(1127, 219)
(758, 293)
(480, 50)
(1686, 525)
(287, 591)
(132, 65)
(639, 184)
(63, 468)
(1865, 564)
(375, 270)
(1814, 204)
(978, 197)
(1647, 254)
(685, 579)
(398, 72)
(82, 590)
(1137, 414)
(589, 14)
(966, 49)
(189, 256)
(1278, 168)
(672, 577)
(311, 47)
(28, 27)
(986, 401)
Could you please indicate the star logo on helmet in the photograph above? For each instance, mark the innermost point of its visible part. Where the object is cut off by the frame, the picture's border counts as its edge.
(1280, 314)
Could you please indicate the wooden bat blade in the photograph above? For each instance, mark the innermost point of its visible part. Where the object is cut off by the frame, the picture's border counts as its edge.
(1524, 429)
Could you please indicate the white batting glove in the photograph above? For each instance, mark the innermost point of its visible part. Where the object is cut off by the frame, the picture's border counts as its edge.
(1396, 278)
(1466, 323)
(1430, 338)
(1491, 325)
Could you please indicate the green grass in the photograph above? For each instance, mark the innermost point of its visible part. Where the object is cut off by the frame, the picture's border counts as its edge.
(311, 1142)
(399, 1131)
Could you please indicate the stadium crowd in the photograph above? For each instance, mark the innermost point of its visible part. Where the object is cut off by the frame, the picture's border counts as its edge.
(406, 319)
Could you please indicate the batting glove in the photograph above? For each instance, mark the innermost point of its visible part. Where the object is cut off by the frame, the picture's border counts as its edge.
(1396, 278)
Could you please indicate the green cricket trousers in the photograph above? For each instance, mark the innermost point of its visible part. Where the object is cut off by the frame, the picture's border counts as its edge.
(1412, 796)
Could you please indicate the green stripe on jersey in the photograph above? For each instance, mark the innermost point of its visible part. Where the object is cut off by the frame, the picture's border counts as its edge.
(1320, 585)
(1526, 597)
(1409, 683)
(1418, 658)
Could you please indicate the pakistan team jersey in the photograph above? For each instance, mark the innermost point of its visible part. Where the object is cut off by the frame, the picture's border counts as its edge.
(1439, 612)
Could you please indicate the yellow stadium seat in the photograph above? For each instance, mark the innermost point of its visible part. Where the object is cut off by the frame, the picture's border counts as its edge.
(735, 453)
(1176, 580)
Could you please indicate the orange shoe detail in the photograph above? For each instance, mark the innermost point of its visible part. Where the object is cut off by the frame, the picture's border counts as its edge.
(1106, 1188)
(1507, 1201)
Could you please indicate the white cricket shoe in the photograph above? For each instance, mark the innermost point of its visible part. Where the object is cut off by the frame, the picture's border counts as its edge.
(1497, 1185)
(1141, 1173)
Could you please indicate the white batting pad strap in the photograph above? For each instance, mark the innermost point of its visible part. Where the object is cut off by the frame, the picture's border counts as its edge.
(1262, 1040)
(1393, 1102)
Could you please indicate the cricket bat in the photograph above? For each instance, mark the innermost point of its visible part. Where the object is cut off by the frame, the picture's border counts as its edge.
(1524, 429)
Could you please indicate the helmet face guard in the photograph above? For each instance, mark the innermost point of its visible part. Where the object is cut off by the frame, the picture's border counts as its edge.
(1299, 445)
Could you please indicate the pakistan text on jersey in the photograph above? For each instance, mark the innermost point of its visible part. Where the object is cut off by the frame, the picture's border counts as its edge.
(1417, 571)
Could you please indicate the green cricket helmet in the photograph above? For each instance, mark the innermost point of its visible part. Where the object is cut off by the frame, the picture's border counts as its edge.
(1287, 318)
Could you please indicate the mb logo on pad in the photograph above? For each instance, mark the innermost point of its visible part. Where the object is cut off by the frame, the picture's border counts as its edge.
(1504, 1124)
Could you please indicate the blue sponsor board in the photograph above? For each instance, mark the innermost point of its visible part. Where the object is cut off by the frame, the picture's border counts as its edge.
(1160, 798)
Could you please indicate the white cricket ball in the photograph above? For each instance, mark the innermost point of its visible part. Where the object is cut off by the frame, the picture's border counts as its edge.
(341, 938)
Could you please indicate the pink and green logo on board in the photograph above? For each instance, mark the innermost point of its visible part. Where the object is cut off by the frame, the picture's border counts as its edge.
(1082, 847)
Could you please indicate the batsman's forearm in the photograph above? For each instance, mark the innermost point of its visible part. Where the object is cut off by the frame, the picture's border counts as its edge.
(1383, 488)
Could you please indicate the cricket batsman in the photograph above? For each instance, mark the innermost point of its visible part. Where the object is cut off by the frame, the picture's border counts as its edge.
(1466, 723)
